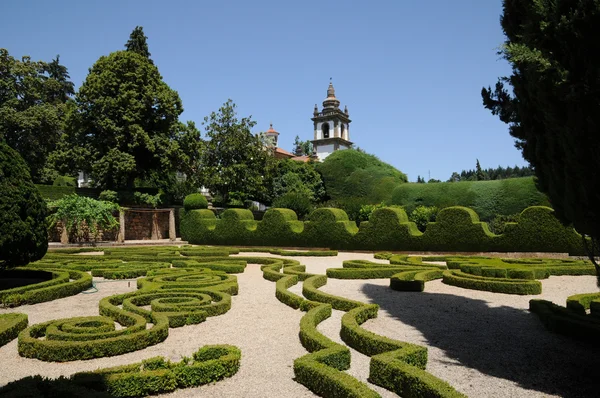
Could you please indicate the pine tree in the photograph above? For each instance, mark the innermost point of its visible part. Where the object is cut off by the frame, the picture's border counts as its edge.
(138, 42)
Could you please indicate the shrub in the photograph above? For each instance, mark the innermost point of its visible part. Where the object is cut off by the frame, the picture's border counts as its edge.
(143, 198)
(197, 226)
(84, 217)
(388, 229)
(486, 198)
(458, 229)
(491, 284)
(65, 181)
(354, 174)
(329, 228)
(23, 233)
(109, 196)
(497, 224)
(195, 201)
(11, 325)
(423, 215)
(366, 210)
(300, 204)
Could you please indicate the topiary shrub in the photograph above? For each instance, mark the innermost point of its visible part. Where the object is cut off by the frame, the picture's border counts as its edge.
(329, 228)
(458, 229)
(236, 227)
(388, 229)
(65, 181)
(279, 227)
(195, 201)
(23, 233)
(197, 226)
(538, 230)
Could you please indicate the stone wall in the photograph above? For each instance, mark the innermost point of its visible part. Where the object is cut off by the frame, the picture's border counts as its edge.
(138, 224)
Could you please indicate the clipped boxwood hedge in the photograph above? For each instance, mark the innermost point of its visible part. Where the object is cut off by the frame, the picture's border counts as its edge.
(487, 198)
(11, 325)
(455, 229)
(158, 375)
(195, 201)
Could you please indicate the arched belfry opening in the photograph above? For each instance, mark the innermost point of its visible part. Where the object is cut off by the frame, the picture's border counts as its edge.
(325, 128)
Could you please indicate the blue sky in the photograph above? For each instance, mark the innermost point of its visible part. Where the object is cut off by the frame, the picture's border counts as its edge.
(410, 72)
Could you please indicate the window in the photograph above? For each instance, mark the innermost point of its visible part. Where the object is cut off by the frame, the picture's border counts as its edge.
(325, 128)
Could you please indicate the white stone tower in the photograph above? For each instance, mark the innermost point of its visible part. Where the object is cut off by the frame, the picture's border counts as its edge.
(332, 126)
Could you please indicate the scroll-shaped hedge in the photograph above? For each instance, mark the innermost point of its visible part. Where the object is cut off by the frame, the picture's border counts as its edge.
(321, 370)
(158, 375)
(176, 297)
(61, 283)
(327, 227)
(10, 326)
(279, 227)
(236, 227)
(538, 230)
(457, 229)
(388, 228)
(564, 321)
(395, 365)
(198, 226)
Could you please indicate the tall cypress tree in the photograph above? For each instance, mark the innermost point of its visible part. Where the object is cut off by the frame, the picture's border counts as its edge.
(551, 102)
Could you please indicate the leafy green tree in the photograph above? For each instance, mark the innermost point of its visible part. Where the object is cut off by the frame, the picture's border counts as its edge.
(125, 125)
(33, 107)
(234, 159)
(551, 102)
(455, 177)
(138, 43)
(297, 177)
(23, 233)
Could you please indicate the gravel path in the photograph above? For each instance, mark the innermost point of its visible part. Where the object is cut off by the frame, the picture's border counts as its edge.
(484, 344)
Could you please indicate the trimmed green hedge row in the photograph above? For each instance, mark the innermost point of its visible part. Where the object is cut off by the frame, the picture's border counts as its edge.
(158, 375)
(487, 198)
(511, 276)
(63, 283)
(490, 284)
(321, 371)
(175, 296)
(567, 322)
(455, 229)
(395, 365)
(11, 325)
(151, 376)
(580, 303)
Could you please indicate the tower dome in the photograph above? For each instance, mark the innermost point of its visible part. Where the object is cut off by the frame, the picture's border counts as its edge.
(331, 102)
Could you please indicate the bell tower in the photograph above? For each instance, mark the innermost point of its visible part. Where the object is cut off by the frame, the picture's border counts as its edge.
(331, 125)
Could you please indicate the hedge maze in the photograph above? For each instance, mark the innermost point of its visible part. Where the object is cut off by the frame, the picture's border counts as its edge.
(457, 229)
(395, 365)
(179, 286)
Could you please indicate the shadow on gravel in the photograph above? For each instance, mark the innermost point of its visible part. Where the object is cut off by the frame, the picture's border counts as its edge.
(503, 342)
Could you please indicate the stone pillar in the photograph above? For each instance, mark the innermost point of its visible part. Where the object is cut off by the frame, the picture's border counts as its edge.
(64, 236)
(121, 235)
(155, 234)
(172, 233)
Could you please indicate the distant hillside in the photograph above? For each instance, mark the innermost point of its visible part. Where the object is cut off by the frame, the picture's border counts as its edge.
(354, 174)
(487, 198)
